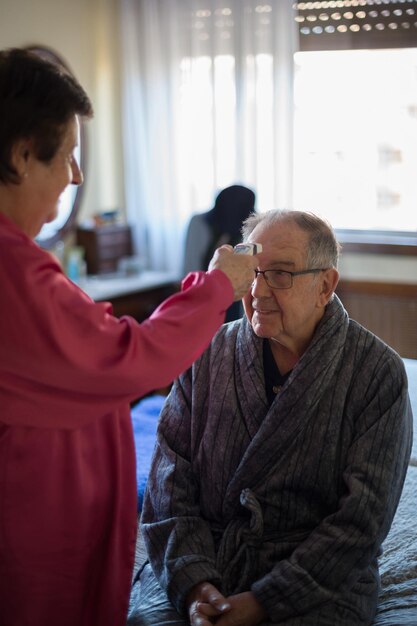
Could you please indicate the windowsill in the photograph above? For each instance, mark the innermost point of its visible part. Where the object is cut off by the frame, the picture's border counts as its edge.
(402, 244)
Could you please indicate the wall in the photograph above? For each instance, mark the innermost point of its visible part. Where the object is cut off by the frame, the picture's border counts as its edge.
(379, 268)
(380, 292)
(85, 34)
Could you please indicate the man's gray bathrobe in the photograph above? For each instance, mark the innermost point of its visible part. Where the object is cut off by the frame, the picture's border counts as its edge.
(292, 500)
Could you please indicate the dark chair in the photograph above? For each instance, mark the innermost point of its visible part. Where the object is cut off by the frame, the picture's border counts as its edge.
(222, 224)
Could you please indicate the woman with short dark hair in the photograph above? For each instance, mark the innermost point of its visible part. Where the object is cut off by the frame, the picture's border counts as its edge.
(68, 370)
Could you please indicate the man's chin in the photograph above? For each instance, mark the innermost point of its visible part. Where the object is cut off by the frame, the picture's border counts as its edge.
(260, 330)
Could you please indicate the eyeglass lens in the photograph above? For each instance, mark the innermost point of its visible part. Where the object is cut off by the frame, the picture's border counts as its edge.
(277, 279)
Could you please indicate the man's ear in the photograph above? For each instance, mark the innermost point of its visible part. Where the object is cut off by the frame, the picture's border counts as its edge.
(329, 281)
(20, 154)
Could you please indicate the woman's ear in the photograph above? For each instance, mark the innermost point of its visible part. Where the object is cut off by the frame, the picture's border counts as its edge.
(20, 158)
(329, 281)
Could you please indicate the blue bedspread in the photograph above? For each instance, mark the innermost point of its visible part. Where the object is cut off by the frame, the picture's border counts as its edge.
(145, 420)
(411, 368)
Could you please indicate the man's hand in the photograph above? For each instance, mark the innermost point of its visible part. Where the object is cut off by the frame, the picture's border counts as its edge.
(245, 611)
(205, 604)
(239, 268)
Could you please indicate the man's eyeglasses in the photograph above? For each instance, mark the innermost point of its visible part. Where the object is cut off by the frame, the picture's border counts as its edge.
(281, 279)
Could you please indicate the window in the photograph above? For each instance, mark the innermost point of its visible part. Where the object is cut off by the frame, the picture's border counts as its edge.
(211, 86)
(355, 145)
(208, 112)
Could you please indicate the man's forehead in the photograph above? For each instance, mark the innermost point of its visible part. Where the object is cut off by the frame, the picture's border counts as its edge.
(285, 235)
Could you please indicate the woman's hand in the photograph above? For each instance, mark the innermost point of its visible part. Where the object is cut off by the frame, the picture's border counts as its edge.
(239, 268)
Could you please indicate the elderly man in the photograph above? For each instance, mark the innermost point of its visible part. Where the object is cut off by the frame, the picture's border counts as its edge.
(281, 455)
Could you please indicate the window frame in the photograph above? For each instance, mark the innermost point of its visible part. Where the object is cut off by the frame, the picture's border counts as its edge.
(366, 24)
(377, 242)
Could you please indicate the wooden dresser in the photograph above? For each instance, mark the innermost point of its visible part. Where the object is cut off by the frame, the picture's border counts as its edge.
(104, 246)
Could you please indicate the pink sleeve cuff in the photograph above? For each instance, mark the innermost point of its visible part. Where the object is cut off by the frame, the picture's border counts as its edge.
(215, 278)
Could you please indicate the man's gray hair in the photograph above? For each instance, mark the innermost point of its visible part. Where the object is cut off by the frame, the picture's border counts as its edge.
(323, 249)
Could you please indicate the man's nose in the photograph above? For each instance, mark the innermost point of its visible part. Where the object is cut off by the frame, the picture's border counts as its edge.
(260, 286)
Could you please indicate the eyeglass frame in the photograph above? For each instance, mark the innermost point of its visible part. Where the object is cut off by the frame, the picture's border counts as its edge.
(292, 274)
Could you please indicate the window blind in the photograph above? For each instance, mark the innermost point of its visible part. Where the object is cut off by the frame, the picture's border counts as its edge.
(356, 24)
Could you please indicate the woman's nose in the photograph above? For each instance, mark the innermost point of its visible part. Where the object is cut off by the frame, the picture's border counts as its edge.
(77, 175)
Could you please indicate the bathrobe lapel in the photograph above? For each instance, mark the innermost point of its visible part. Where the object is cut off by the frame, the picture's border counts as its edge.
(293, 407)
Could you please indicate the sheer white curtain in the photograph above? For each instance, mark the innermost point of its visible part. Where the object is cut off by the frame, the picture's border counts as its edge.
(207, 93)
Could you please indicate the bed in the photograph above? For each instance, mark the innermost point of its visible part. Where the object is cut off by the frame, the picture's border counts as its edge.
(398, 563)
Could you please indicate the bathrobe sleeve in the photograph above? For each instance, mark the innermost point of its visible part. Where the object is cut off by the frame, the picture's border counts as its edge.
(179, 541)
(330, 560)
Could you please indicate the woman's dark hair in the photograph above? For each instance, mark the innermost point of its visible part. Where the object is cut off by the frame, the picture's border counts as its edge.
(37, 100)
